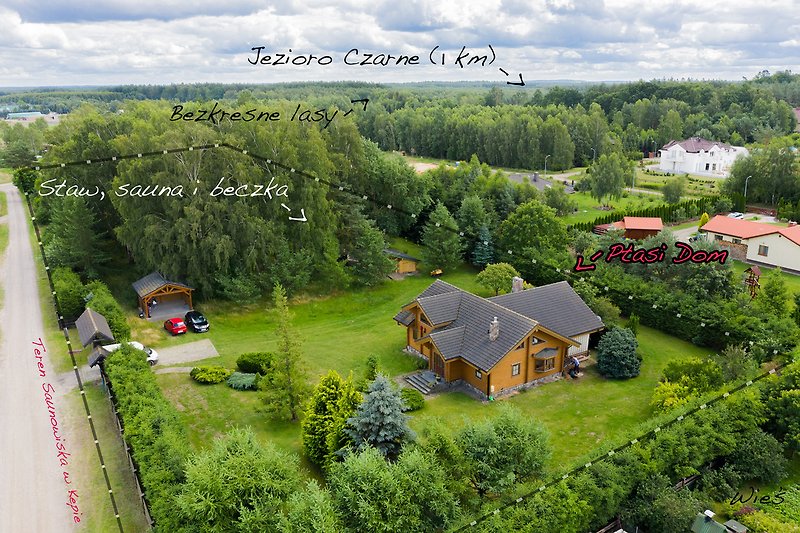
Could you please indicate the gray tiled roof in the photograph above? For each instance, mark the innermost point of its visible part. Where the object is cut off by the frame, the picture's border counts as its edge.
(97, 355)
(469, 316)
(93, 326)
(437, 287)
(556, 306)
(152, 282)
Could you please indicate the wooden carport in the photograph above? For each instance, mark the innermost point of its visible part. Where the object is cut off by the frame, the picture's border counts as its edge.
(154, 286)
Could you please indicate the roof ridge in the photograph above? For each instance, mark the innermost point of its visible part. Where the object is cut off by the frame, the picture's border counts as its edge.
(535, 322)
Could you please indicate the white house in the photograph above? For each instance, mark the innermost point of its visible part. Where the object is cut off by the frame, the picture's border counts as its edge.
(765, 244)
(699, 156)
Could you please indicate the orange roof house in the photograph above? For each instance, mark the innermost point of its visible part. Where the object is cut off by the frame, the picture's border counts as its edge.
(639, 227)
(766, 244)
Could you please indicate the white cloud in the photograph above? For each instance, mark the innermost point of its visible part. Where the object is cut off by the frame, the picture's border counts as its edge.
(163, 41)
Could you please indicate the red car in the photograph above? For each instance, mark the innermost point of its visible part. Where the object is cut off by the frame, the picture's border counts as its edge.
(176, 326)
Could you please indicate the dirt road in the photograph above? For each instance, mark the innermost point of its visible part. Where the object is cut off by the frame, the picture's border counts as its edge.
(33, 491)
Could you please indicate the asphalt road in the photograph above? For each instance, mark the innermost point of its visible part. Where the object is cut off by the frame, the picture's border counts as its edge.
(33, 491)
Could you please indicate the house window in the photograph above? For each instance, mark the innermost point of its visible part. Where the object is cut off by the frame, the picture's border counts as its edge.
(478, 374)
(521, 345)
(707, 166)
(543, 365)
(515, 369)
(763, 250)
(717, 237)
(737, 241)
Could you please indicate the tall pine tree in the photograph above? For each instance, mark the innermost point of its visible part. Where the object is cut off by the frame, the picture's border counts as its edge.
(286, 387)
(443, 245)
(379, 421)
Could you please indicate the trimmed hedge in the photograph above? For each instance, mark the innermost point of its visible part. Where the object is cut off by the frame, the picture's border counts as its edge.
(104, 303)
(70, 292)
(255, 362)
(667, 213)
(210, 374)
(153, 430)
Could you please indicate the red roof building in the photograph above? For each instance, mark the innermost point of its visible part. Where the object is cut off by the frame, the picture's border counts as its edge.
(764, 243)
(639, 227)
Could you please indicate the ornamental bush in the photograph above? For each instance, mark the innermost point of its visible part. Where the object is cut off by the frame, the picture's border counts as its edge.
(70, 291)
(413, 399)
(616, 354)
(243, 381)
(255, 362)
(209, 374)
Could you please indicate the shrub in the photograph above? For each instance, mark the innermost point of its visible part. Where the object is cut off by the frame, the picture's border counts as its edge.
(616, 354)
(372, 367)
(255, 362)
(668, 395)
(413, 399)
(633, 323)
(242, 381)
(209, 374)
(699, 375)
(70, 291)
(104, 303)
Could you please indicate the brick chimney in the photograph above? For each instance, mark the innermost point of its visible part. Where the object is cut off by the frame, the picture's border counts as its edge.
(494, 329)
(516, 284)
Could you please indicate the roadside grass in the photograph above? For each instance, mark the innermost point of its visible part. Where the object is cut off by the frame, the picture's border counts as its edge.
(6, 176)
(3, 204)
(56, 345)
(579, 414)
(97, 513)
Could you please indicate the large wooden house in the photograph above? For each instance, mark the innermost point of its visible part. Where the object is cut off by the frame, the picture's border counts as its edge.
(498, 344)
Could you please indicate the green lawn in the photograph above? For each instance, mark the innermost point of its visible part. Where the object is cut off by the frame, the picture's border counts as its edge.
(581, 414)
(589, 208)
(695, 186)
(340, 331)
(5, 175)
(792, 280)
(3, 205)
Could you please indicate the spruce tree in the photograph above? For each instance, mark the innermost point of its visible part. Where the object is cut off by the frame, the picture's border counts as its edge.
(483, 254)
(379, 421)
(286, 387)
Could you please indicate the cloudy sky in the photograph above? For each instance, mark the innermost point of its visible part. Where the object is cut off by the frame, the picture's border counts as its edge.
(165, 41)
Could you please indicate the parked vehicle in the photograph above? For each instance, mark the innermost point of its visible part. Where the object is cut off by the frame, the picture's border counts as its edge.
(152, 355)
(736, 214)
(196, 322)
(176, 326)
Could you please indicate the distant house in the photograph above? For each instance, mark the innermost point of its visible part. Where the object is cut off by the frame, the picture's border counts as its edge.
(404, 263)
(699, 156)
(499, 344)
(705, 523)
(25, 115)
(639, 227)
(757, 242)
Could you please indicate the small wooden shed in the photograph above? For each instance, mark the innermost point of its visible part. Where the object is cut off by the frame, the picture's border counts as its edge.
(404, 263)
(154, 285)
(93, 328)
